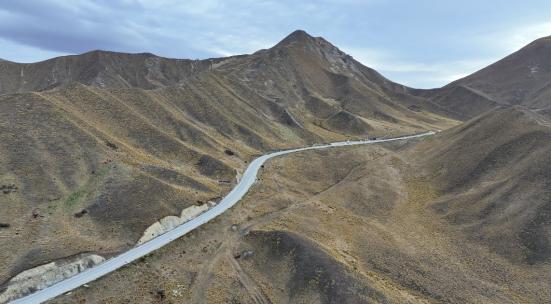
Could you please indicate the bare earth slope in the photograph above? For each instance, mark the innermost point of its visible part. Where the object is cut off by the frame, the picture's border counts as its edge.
(522, 78)
(498, 189)
(91, 159)
(96, 147)
(458, 218)
(98, 68)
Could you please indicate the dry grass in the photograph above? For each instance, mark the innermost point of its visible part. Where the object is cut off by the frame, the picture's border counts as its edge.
(361, 217)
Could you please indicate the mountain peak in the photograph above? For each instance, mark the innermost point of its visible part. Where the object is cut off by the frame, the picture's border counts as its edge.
(300, 36)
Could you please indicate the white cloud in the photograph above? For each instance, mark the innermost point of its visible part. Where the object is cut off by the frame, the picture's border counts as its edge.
(415, 74)
(228, 45)
(207, 28)
(25, 54)
(516, 38)
(505, 41)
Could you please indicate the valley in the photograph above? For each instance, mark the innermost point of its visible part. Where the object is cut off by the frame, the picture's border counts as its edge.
(98, 147)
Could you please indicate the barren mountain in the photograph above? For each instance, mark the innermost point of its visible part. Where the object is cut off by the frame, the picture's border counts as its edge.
(522, 78)
(499, 193)
(462, 217)
(98, 68)
(97, 147)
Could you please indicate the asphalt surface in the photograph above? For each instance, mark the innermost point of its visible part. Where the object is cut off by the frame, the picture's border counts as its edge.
(247, 180)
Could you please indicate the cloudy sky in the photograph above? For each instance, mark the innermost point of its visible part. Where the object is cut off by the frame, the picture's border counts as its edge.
(422, 43)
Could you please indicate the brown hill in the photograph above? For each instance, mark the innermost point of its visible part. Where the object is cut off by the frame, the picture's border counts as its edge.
(101, 145)
(98, 68)
(522, 78)
(493, 175)
(462, 217)
(459, 218)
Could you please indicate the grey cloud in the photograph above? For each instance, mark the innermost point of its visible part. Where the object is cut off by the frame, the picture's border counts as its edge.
(170, 28)
(63, 28)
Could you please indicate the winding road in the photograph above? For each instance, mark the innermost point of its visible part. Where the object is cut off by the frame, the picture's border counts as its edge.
(247, 180)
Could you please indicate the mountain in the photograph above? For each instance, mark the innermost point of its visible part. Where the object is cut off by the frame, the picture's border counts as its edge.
(95, 148)
(492, 175)
(100, 69)
(522, 78)
(460, 217)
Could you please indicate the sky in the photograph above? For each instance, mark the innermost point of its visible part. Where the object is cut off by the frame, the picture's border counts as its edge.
(419, 43)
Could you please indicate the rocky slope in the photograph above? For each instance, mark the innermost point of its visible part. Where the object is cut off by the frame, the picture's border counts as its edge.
(98, 68)
(458, 218)
(462, 217)
(522, 78)
(93, 158)
(497, 190)
(97, 147)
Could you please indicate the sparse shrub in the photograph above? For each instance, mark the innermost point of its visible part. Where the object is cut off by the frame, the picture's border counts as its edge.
(111, 145)
(229, 152)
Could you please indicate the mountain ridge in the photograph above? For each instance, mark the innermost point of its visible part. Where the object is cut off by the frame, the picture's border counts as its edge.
(129, 139)
(95, 148)
(521, 78)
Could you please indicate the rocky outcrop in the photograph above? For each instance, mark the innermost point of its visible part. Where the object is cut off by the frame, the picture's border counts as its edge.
(47, 275)
(170, 222)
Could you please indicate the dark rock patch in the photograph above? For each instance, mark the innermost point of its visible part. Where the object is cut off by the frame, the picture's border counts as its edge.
(111, 145)
(345, 122)
(212, 167)
(7, 189)
(312, 269)
(415, 108)
(81, 213)
(229, 152)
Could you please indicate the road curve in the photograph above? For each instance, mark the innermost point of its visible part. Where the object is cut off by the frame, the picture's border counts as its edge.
(247, 180)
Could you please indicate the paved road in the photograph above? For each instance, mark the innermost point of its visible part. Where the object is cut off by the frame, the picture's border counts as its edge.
(248, 179)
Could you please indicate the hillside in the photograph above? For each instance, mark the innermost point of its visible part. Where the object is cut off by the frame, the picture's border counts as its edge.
(522, 78)
(496, 193)
(96, 147)
(462, 217)
(98, 68)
